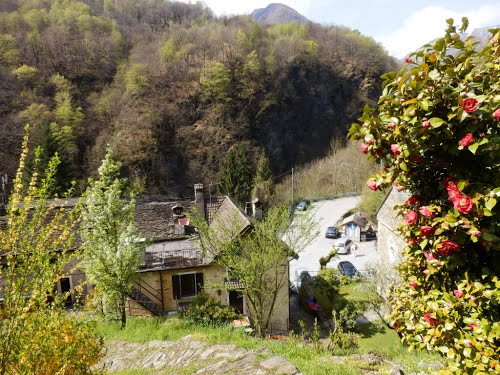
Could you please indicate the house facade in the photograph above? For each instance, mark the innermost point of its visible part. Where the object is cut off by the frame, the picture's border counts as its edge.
(390, 244)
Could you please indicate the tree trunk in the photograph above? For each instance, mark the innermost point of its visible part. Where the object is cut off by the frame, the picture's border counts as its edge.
(123, 314)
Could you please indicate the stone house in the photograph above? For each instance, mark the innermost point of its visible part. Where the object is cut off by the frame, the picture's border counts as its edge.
(390, 244)
(175, 270)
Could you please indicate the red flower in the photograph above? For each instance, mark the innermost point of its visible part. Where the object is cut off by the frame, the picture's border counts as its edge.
(482, 135)
(395, 148)
(364, 148)
(394, 324)
(412, 284)
(379, 152)
(449, 181)
(467, 140)
(496, 114)
(370, 141)
(412, 200)
(426, 230)
(463, 204)
(372, 185)
(390, 125)
(473, 325)
(426, 124)
(447, 247)
(469, 105)
(416, 159)
(453, 192)
(424, 210)
(412, 240)
(411, 217)
(430, 320)
(476, 233)
(458, 293)
(408, 60)
(429, 256)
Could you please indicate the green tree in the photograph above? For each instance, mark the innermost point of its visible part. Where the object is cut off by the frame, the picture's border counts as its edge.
(36, 242)
(436, 131)
(112, 250)
(215, 82)
(259, 259)
(237, 173)
(263, 181)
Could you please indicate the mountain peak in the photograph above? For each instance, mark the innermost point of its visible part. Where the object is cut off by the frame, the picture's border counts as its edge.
(277, 13)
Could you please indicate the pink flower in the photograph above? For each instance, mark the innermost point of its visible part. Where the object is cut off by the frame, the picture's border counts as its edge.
(426, 230)
(426, 124)
(395, 148)
(372, 185)
(463, 204)
(458, 293)
(453, 193)
(426, 271)
(482, 135)
(408, 60)
(411, 217)
(394, 324)
(390, 125)
(399, 188)
(468, 343)
(496, 114)
(429, 256)
(430, 320)
(469, 105)
(447, 247)
(473, 325)
(414, 199)
(467, 140)
(370, 141)
(424, 210)
(412, 284)
(364, 148)
(449, 181)
(476, 233)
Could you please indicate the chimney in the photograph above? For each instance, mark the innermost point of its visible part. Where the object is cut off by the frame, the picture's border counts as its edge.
(257, 209)
(199, 199)
(248, 208)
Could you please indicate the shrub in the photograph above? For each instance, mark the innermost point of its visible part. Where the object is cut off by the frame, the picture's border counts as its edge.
(207, 310)
(436, 132)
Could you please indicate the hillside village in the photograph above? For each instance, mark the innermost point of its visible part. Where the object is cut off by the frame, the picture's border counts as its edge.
(243, 194)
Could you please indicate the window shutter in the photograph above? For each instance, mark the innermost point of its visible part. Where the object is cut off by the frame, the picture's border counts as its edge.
(176, 286)
(199, 281)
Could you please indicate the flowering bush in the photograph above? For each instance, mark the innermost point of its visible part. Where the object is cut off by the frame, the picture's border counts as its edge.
(436, 132)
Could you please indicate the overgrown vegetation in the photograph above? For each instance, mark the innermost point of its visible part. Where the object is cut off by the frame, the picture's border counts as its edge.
(171, 88)
(36, 246)
(436, 132)
(207, 310)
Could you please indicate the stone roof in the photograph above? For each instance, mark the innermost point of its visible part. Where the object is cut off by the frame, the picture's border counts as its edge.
(357, 219)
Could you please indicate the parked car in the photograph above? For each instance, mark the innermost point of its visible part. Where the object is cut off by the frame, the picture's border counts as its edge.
(332, 232)
(343, 245)
(303, 204)
(301, 275)
(347, 269)
(368, 235)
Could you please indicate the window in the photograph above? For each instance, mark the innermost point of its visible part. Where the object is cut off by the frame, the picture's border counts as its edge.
(187, 285)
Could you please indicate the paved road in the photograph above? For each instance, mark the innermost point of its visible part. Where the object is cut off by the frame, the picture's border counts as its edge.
(327, 213)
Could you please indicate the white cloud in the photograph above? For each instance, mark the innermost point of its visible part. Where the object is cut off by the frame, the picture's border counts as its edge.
(428, 23)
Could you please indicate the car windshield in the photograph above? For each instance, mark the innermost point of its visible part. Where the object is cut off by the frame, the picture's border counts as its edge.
(331, 229)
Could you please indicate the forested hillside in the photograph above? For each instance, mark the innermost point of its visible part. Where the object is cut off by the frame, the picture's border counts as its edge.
(171, 87)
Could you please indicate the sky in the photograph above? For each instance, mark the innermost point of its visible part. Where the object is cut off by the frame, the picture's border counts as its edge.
(401, 26)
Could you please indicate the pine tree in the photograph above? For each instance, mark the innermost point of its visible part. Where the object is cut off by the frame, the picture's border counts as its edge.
(112, 250)
(237, 173)
(263, 182)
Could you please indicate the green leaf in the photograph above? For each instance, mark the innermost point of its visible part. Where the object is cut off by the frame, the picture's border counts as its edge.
(473, 147)
(436, 122)
(490, 237)
(434, 74)
(490, 203)
(424, 243)
(403, 166)
(424, 104)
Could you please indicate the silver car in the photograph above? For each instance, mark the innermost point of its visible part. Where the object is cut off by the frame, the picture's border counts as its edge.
(343, 245)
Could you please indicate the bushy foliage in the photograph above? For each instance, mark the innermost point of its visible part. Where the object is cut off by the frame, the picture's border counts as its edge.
(436, 131)
(36, 245)
(207, 310)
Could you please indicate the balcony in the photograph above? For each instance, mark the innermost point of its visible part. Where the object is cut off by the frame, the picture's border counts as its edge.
(172, 255)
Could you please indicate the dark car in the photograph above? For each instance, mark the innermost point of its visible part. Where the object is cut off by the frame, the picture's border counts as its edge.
(368, 235)
(302, 206)
(343, 245)
(332, 232)
(347, 269)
